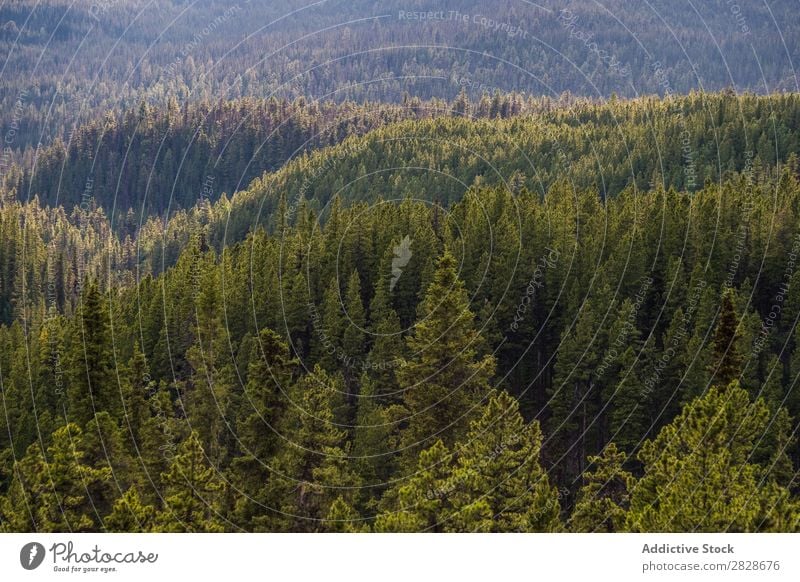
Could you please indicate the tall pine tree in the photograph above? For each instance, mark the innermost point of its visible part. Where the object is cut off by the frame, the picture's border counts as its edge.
(444, 380)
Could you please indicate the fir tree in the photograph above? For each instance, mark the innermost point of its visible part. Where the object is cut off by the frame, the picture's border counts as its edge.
(53, 492)
(312, 468)
(445, 380)
(192, 492)
(270, 377)
(105, 448)
(130, 515)
(372, 456)
(342, 518)
(328, 329)
(697, 471)
(208, 397)
(603, 500)
(498, 482)
(574, 394)
(136, 390)
(388, 347)
(354, 338)
(421, 503)
(159, 439)
(93, 386)
(726, 360)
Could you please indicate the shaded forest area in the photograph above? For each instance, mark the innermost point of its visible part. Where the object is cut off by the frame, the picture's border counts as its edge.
(149, 160)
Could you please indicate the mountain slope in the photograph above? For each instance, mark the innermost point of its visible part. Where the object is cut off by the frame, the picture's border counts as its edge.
(88, 57)
(677, 142)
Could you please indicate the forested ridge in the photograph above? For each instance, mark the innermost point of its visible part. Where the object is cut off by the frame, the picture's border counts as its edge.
(680, 142)
(69, 62)
(150, 159)
(361, 266)
(153, 160)
(61, 232)
(510, 362)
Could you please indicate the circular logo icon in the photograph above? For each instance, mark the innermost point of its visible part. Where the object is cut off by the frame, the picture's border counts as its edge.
(31, 555)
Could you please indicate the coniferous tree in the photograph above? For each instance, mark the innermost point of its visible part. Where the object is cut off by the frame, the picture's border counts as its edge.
(353, 338)
(603, 500)
(93, 386)
(420, 504)
(726, 360)
(52, 492)
(105, 448)
(698, 474)
(574, 392)
(130, 515)
(629, 418)
(135, 393)
(498, 483)
(776, 444)
(312, 468)
(192, 492)
(266, 400)
(328, 329)
(372, 456)
(445, 380)
(388, 347)
(342, 518)
(208, 393)
(160, 436)
(630, 415)
(493, 482)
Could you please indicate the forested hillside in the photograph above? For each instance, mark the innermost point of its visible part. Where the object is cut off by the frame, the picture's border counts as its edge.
(433, 151)
(70, 62)
(678, 142)
(359, 266)
(322, 378)
(151, 160)
(399, 266)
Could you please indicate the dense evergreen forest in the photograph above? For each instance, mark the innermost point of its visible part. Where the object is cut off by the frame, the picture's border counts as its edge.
(71, 61)
(393, 266)
(61, 232)
(152, 160)
(512, 360)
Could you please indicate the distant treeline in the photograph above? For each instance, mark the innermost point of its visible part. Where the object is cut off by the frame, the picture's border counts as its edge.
(69, 62)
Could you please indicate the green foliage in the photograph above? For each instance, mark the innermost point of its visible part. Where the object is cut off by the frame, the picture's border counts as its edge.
(190, 387)
(129, 514)
(270, 376)
(727, 363)
(175, 65)
(493, 482)
(344, 519)
(498, 482)
(372, 435)
(192, 492)
(53, 491)
(603, 500)
(311, 469)
(698, 474)
(421, 503)
(446, 379)
(93, 386)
